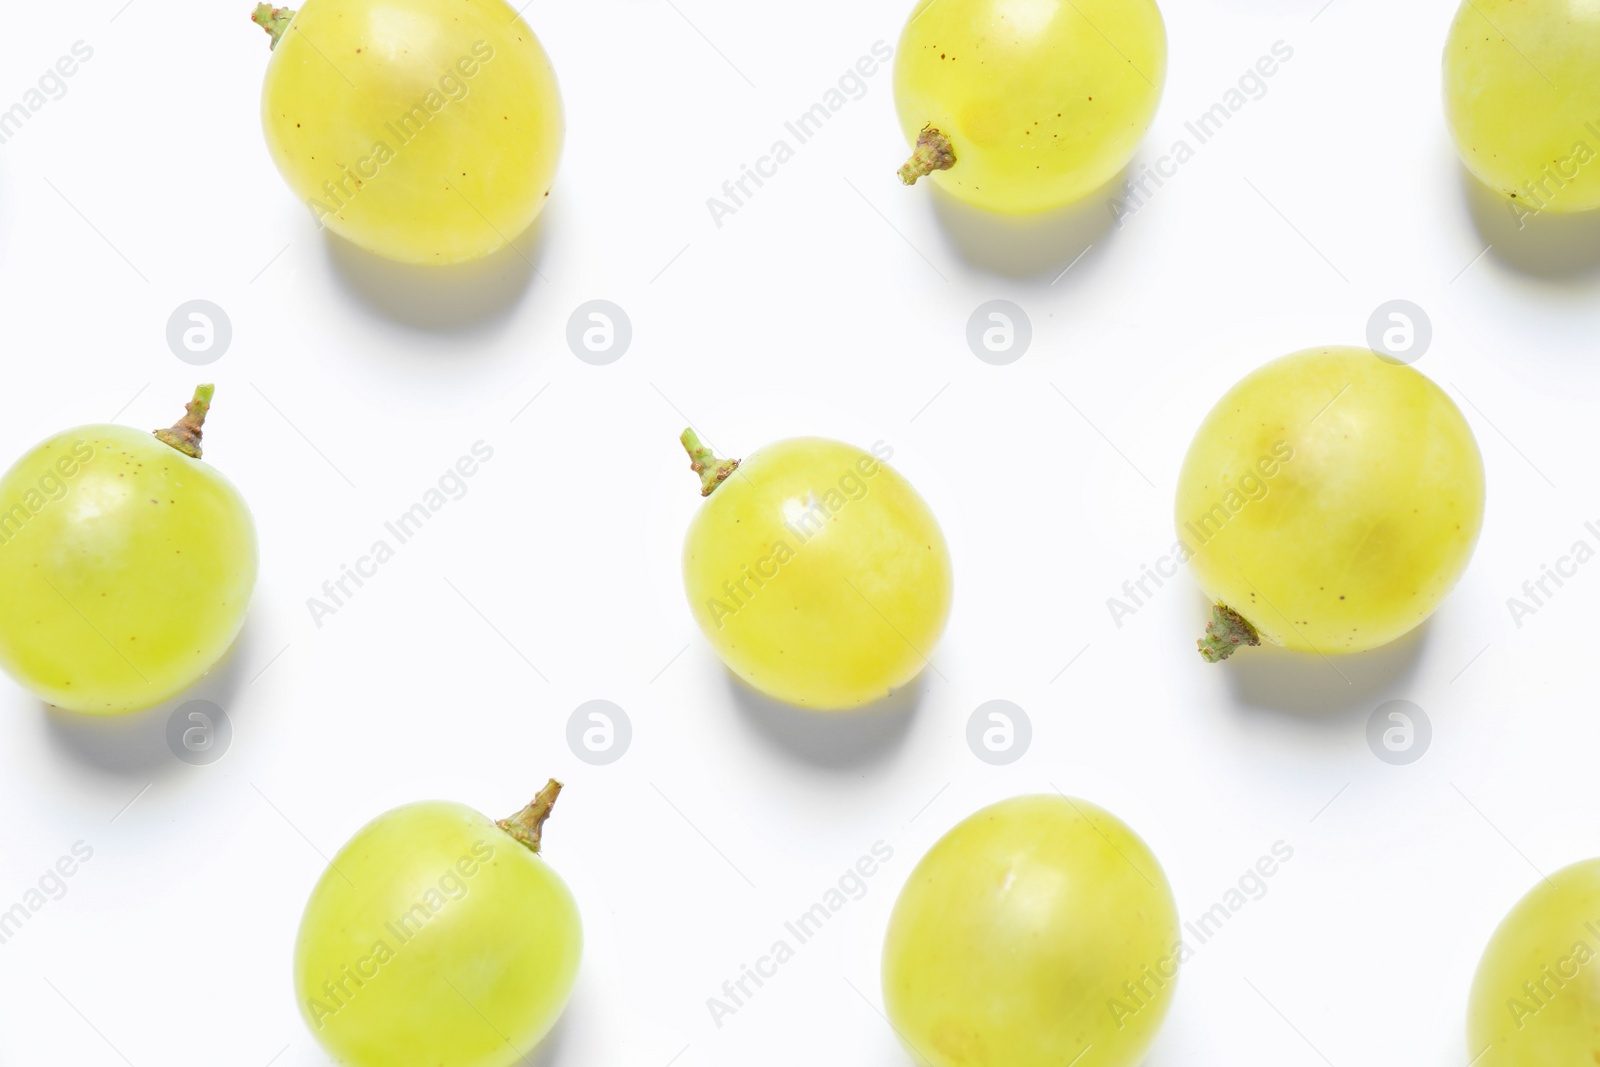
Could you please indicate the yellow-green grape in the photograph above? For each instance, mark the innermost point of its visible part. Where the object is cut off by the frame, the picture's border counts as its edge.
(1328, 503)
(438, 937)
(1020, 106)
(1040, 932)
(1535, 1000)
(1522, 93)
(427, 131)
(127, 564)
(817, 572)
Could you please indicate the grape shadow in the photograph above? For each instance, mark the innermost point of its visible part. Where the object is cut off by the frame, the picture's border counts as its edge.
(1545, 245)
(828, 739)
(449, 299)
(135, 745)
(1028, 247)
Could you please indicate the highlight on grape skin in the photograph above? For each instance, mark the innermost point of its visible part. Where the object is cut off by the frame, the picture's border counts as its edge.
(425, 131)
(128, 564)
(1021, 107)
(1522, 97)
(1328, 503)
(819, 574)
(1038, 932)
(439, 936)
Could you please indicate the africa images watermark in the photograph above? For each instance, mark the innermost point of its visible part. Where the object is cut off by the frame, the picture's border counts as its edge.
(1541, 192)
(804, 524)
(851, 85)
(450, 888)
(1537, 592)
(1252, 85)
(51, 85)
(1252, 487)
(51, 487)
(451, 486)
(851, 886)
(1552, 979)
(51, 885)
(1140, 992)
(454, 86)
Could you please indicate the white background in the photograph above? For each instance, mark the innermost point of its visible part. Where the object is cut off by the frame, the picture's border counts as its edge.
(834, 302)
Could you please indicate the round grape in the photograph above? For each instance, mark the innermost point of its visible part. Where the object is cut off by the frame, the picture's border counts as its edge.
(128, 564)
(816, 571)
(1522, 95)
(440, 937)
(426, 131)
(1535, 1000)
(1018, 106)
(1039, 932)
(1328, 503)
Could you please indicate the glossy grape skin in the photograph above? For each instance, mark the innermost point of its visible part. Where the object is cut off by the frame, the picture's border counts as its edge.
(1044, 101)
(132, 578)
(1356, 537)
(479, 169)
(1522, 95)
(1550, 939)
(1012, 940)
(858, 605)
(483, 977)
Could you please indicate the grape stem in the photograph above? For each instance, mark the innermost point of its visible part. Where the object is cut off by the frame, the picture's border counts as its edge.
(712, 471)
(1226, 633)
(933, 152)
(186, 432)
(275, 20)
(527, 825)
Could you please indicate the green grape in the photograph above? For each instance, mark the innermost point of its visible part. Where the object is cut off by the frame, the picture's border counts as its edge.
(816, 571)
(1328, 503)
(427, 131)
(1522, 93)
(1535, 1000)
(1020, 106)
(1040, 932)
(127, 565)
(438, 937)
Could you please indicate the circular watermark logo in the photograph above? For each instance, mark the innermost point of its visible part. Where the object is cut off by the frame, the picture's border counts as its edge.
(198, 732)
(599, 332)
(1399, 331)
(1399, 732)
(199, 332)
(999, 732)
(599, 732)
(999, 332)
